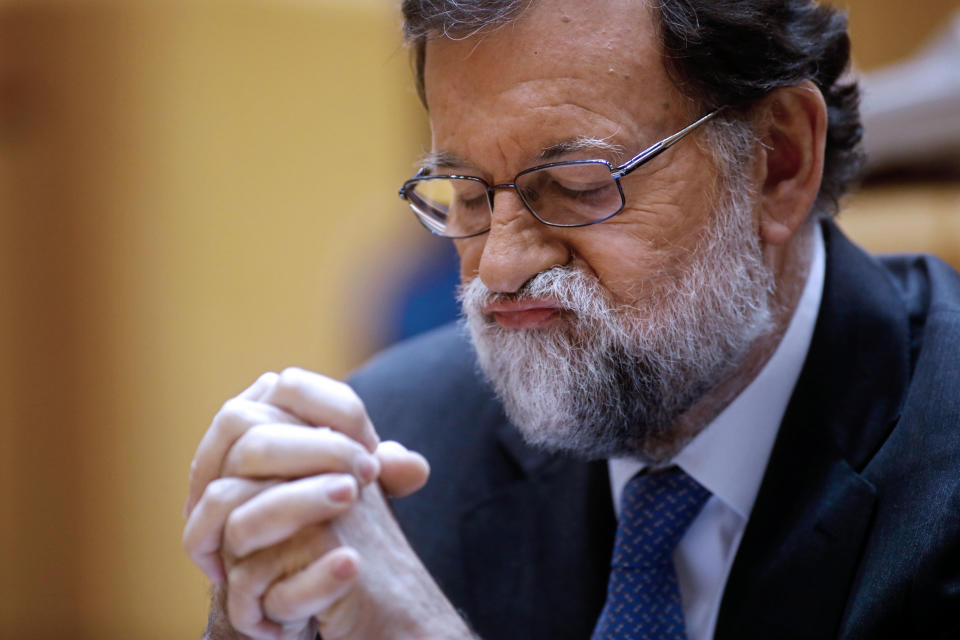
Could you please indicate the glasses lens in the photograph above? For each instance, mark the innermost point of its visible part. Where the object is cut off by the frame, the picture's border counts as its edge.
(571, 194)
(452, 207)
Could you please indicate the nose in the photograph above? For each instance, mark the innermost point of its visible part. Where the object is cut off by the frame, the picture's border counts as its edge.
(517, 247)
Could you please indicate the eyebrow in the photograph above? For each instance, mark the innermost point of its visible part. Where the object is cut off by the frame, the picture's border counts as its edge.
(583, 143)
(446, 160)
(442, 160)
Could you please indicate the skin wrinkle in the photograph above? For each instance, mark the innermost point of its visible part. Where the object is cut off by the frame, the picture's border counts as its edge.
(554, 83)
(589, 432)
(675, 22)
(635, 139)
(590, 148)
(650, 254)
(676, 258)
(659, 265)
(604, 150)
(520, 227)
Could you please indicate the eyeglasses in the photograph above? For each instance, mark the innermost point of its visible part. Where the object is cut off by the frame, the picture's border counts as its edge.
(575, 193)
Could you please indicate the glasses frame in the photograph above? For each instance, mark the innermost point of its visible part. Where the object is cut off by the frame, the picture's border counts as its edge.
(616, 172)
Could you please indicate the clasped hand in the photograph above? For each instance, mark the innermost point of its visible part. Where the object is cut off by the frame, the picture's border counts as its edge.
(285, 514)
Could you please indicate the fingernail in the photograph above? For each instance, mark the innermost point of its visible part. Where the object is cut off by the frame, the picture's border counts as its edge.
(368, 468)
(345, 569)
(342, 489)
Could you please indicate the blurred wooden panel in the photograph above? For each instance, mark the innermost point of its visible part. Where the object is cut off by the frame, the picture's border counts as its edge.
(912, 216)
(884, 31)
(56, 113)
(193, 192)
(906, 218)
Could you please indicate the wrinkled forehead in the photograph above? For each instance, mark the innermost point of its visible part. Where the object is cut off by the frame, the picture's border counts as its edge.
(559, 38)
(561, 63)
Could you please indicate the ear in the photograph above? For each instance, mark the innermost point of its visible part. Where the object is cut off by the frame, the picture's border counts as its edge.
(792, 123)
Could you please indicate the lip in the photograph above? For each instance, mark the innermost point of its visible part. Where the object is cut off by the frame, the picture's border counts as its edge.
(530, 314)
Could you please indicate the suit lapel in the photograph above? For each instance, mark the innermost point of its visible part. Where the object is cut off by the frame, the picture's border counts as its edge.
(539, 547)
(799, 552)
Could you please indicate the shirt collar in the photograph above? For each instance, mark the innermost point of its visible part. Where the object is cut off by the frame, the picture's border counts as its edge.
(730, 455)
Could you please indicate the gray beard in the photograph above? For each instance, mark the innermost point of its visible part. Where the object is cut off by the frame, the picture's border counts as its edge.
(612, 381)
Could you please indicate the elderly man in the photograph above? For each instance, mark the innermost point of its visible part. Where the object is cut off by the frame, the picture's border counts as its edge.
(687, 406)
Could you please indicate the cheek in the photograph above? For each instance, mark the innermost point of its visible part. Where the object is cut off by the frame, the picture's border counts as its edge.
(470, 250)
(637, 253)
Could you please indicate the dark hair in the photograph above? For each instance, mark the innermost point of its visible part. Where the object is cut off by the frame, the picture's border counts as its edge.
(717, 52)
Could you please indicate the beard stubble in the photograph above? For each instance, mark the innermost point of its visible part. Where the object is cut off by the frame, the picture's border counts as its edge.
(610, 380)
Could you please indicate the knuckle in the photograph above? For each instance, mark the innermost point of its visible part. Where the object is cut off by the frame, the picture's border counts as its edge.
(236, 532)
(280, 604)
(289, 380)
(230, 416)
(220, 492)
(248, 452)
(241, 617)
(240, 581)
(229, 410)
(268, 379)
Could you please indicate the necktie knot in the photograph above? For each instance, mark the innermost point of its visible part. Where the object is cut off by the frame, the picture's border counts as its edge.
(643, 599)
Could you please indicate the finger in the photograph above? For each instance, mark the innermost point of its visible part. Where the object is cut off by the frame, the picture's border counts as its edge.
(204, 530)
(323, 402)
(236, 417)
(243, 603)
(249, 578)
(280, 511)
(314, 590)
(402, 471)
(300, 630)
(260, 387)
(289, 451)
(261, 630)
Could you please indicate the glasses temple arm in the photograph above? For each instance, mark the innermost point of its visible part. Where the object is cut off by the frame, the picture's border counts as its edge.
(653, 151)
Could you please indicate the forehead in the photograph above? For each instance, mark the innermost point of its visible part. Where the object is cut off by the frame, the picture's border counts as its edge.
(566, 69)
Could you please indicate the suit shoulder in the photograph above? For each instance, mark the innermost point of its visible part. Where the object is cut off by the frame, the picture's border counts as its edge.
(927, 283)
(442, 356)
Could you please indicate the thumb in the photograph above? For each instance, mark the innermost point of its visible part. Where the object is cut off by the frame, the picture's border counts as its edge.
(402, 471)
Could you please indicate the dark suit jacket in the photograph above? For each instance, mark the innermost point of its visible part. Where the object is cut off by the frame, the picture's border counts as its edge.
(856, 529)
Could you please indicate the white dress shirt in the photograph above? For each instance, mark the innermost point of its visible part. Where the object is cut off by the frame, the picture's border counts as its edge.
(729, 458)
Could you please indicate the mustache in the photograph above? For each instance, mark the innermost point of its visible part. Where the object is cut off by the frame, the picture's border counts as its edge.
(571, 287)
(567, 285)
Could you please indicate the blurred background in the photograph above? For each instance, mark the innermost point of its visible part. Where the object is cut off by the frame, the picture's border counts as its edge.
(196, 191)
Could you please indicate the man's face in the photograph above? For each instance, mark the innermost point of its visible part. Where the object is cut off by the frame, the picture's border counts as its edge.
(570, 70)
(566, 72)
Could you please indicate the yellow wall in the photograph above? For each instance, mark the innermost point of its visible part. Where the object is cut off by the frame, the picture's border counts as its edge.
(884, 31)
(191, 192)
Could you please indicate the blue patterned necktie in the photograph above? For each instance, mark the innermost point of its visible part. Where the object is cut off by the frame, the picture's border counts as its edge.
(643, 599)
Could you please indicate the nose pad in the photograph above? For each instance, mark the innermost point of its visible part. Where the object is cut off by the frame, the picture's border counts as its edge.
(518, 246)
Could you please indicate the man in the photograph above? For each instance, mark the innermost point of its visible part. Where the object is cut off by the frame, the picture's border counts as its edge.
(677, 330)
